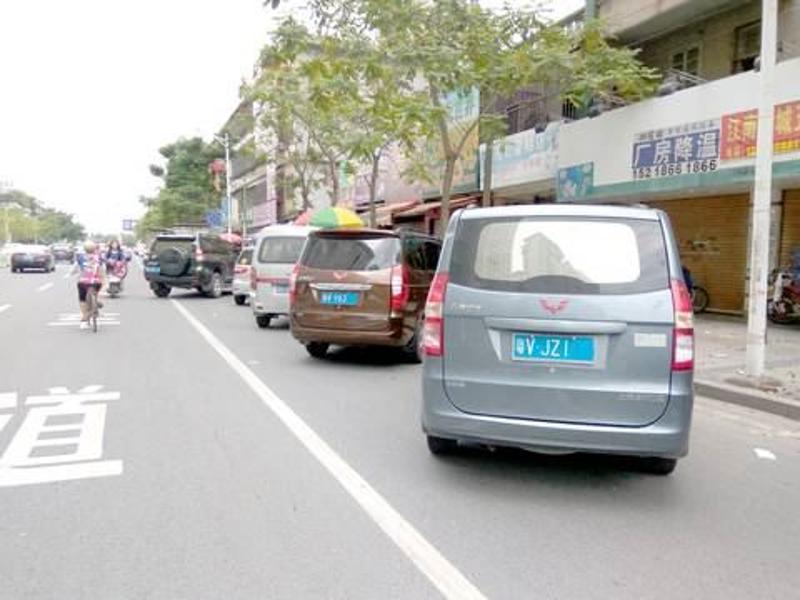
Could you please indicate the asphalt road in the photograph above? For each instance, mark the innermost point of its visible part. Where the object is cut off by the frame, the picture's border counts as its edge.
(220, 461)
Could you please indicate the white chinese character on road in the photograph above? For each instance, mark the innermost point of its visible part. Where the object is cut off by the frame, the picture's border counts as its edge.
(60, 438)
(683, 148)
(707, 145)
(663, 152)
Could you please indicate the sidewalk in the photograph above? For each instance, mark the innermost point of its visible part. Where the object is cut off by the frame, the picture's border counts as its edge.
(720, 358)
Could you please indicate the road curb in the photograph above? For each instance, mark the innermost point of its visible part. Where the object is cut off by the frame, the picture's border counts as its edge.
(747, 397)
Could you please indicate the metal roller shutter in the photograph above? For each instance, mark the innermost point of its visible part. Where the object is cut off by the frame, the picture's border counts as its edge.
(712, 237)
(790, 226)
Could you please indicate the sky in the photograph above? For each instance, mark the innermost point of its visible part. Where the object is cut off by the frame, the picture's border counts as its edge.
(90, 89)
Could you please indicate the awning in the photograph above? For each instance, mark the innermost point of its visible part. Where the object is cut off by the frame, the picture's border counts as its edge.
(422, 209)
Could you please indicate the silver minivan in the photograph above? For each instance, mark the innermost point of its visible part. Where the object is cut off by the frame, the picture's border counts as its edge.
(275, 253)
(560, 328)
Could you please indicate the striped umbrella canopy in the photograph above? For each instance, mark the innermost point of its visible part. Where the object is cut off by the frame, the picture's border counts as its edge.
(335, 216)
(303, 218)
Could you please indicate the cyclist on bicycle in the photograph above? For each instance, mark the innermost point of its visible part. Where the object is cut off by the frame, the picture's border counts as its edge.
(90, 267)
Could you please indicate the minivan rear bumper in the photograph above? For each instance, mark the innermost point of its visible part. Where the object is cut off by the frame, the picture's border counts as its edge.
(667, 437)
(393, 336)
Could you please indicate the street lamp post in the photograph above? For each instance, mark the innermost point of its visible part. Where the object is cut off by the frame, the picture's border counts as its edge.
(226, 143)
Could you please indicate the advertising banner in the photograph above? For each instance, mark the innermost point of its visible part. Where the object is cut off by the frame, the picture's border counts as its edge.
(523, 157)
(686, 148)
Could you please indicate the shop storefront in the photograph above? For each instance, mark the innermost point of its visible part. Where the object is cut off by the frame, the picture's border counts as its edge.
(712, 239)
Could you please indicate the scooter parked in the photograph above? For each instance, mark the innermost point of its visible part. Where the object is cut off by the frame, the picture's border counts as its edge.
(784, 306)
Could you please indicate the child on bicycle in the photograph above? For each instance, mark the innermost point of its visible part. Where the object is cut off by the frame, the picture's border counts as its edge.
(89, 265)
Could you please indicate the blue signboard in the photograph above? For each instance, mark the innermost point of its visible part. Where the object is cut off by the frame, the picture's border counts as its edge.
(682, 149)
(214, 218)
(575, 182)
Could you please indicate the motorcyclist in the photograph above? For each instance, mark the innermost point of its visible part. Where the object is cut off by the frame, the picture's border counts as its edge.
(89, 265)
(114, 254)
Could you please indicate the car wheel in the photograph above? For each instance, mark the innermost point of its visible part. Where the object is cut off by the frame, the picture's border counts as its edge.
(240, 300)
(263, 321)
(317, 349)
(656, 465)
(440, 446)
(161, 290)
(214, 289)
(413, 349)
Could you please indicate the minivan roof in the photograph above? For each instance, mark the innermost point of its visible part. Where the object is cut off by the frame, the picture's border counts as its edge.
(562, 210)
(285, 230)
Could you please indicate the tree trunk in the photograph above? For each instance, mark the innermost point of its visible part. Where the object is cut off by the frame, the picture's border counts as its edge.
(373, 188)
(487, 174)
(334, 182)
(447, 184)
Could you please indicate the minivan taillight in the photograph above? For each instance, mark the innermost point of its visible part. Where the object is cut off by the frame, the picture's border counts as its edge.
(400, 292)
(433, 330)
(293, 283)
(253, 279)
(683, 332)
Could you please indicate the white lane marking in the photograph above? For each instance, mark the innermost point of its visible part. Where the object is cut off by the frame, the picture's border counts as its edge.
(765, 454)
(441, 572)
(68, 274)
(90, 389)
(51, 473)
(44, 287)
(8, 400)
(4, 419)
(58, 390)
(100, 321)
(4, 307)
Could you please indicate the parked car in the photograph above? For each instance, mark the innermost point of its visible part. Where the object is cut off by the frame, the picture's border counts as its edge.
(277, 249)
(362, 287)
(562, 329)
(32, 257)
(241, 276)
(204, 262)
(63, 252)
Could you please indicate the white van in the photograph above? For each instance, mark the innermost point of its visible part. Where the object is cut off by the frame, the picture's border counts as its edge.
(276, 251)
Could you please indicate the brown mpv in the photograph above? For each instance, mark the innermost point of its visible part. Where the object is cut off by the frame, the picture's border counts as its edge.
(362, 287)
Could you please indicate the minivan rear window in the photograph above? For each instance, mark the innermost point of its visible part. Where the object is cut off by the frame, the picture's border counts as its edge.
(278, 250)
(351, 253)
(557, 255)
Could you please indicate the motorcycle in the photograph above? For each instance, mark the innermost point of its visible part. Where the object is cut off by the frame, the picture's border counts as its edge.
(784, 306)
(117, 271)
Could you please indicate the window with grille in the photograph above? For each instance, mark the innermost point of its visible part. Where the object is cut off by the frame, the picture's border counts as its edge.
(687, 60)
(747, 46)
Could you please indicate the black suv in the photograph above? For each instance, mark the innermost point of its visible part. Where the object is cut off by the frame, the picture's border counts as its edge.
(204, 262)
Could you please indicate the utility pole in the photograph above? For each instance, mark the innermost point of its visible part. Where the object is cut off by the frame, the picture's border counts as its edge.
(762, 196)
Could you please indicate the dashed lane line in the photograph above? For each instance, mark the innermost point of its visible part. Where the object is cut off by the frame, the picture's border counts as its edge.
(45, 287)
(450, 582)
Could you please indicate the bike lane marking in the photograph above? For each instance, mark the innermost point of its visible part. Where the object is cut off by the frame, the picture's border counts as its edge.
(439, 571)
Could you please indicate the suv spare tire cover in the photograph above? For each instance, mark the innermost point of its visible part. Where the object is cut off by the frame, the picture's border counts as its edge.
(173, 262)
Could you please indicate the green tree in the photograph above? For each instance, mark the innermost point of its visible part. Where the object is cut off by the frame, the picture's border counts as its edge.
(449, 48)
(28, 220)
(302, 108)
(187, 189)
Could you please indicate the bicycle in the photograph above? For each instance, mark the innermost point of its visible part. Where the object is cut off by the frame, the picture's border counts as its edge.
(92, 307)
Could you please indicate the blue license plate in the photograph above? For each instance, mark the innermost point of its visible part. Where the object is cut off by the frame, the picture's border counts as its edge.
(154, 269)
(339, 298)
(552, 348)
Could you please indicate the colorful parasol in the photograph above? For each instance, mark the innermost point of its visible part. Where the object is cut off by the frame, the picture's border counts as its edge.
(335, 217)
(303, 218)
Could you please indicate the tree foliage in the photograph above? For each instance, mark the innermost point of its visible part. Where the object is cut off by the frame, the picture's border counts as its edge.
(31, 221)
(372, 73)
(186, 190)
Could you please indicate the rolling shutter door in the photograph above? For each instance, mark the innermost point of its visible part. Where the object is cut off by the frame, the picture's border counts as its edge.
(712, 238)
(790, 226)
